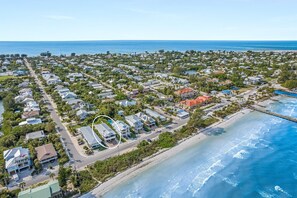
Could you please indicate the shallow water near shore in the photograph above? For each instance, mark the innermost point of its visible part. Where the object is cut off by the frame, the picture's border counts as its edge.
(254, 157)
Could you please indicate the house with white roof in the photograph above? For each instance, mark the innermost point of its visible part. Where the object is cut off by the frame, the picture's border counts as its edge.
(134, 122)
(31, 121)
(126, 103)
(16, 160)
(121, 127)
(147, 120)
(252, 80)
(68, 95)
(35, 135)
(31, 106)
(51, 79)
(73, 76)
(62, 90)
(105, 131)
(82, 114)
(154, 114)
(182, 114)
(90, 137)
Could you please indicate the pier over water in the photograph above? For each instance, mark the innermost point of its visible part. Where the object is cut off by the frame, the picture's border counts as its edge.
(262, 110)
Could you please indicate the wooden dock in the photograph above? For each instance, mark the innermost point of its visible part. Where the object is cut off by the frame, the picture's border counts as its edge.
(262, 110)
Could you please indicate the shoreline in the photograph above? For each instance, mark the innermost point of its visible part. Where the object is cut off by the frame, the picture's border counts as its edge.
(161, 156)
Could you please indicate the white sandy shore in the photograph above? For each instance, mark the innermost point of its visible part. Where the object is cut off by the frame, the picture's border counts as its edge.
(162, 156)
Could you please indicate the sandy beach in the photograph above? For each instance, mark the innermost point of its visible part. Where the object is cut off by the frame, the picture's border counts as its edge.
(163, 155)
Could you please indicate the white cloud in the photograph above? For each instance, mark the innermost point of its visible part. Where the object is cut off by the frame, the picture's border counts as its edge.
(59, 17)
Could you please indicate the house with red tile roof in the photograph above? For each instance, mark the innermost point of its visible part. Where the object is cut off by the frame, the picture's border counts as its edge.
(200, 100)
(185, 93)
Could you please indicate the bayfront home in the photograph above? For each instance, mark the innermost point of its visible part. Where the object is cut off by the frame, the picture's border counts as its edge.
(90, 137)
(46, 153)
(16, 160)
(134, 122)
(105, 131)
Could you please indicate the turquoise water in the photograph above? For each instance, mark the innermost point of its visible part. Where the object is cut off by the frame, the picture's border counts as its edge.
(93, 47)
(256, 157)
(280, 92)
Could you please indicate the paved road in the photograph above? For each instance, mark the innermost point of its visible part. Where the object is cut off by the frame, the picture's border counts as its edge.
(129, 145)
(80, 161)
(71, 149)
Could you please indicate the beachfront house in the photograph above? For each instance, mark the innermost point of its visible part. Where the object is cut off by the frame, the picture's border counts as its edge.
(16, 160)
(105, 131)
(134, 122)
(147, 120)
(90, 137)
(121, 127)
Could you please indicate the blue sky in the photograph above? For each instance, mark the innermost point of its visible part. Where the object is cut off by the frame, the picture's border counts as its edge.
(53, 20)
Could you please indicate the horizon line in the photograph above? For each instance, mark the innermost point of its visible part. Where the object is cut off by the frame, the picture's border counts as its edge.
(236, 40)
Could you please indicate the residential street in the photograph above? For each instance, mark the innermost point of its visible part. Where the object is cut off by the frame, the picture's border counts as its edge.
(79, 160)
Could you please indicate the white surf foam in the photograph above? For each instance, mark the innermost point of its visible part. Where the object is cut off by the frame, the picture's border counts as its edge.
(265, 194)
(279, 189)
(240, 154)
(231, 182)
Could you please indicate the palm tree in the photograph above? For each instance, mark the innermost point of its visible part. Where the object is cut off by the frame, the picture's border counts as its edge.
(22, 185)
(52, 176)
(6, 178)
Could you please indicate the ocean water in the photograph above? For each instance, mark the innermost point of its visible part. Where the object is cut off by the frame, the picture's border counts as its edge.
(93, 47)
(254, 157)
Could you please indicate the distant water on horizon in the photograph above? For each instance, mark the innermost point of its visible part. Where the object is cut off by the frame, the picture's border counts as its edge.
(34, 48)
(255, 157)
